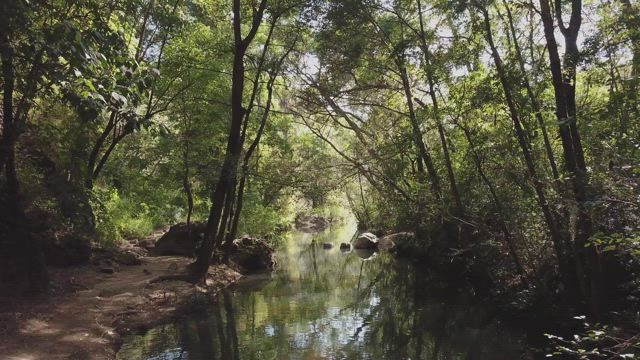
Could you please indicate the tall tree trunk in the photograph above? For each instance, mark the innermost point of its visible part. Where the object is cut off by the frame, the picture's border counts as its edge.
(256, 141)
(186, 184)
(423, 150)
(563, 73)
(508, 238)
(228, 174)
(95, 151)
(556, 235)
(22, 266)
(631, 20)
(428, 67)
(535, 105)
(245, 169)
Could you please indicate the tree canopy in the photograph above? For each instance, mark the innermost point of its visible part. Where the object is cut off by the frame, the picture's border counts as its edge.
(506, 130)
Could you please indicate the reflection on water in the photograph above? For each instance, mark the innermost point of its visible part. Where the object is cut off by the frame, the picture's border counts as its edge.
(327, 304)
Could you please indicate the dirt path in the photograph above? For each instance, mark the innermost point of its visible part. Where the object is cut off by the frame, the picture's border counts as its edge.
(89, 311)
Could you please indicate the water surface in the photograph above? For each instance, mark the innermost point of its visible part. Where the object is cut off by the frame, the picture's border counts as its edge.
(327, 304)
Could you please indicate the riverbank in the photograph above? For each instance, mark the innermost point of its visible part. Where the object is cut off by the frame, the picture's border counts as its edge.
(88, 311)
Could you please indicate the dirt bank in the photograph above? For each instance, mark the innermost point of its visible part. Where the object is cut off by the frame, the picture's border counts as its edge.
(89, 311)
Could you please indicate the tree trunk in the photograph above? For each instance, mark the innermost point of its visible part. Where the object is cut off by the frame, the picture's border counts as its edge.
(186, 184)
(556, 235)
(95, 151)
(436, 113)
(256, 141)
(22, 266)
(423, 151)
(508, 238)
(564, 82)
(535, 105)
(228, 174)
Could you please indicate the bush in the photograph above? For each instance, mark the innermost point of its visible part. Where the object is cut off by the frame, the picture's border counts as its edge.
(261, 221)
(124, 217)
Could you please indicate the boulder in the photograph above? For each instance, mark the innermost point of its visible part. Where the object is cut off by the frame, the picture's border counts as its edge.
(177, 241)
(365, 254)
(146, 244)
(311, 223)
(366, 241)
(252, 255)
(390, 241)
(345, 247)
(67, 250)
(127, 258)
(377, 232)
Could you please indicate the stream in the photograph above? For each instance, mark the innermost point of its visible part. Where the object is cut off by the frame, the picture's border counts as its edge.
(329, 304)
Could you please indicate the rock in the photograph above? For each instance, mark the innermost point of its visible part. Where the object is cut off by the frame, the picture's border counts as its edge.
(119, 256)
(311, 223)
(327, 246)
(345, 247)
(390, 241)
(146, 272)
(107, 270)
(366, 241)
(146, 244)
(127, 258)
(177, 241)
(135, 250)
(365, 254)
(377, 232)
(66, 250)
(253, 255)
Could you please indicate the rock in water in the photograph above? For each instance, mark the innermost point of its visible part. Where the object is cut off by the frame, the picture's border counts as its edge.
(365, 254)
(345, 247)
(178, 242)
(253, 255)
(366, 241)
(398, 239)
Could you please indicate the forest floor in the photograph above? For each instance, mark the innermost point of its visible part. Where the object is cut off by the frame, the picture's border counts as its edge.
(88, 312)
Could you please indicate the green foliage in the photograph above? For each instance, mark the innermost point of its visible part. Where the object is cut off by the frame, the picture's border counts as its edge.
(614, 242)
(595, 341)
(263, 221)
(128, 216)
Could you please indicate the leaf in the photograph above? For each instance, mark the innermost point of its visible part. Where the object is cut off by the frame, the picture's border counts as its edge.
(89, 84)
(118, 98)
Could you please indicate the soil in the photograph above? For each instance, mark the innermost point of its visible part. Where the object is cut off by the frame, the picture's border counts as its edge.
(89, 310)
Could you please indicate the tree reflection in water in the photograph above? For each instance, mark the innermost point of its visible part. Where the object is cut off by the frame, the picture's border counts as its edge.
(325, 304)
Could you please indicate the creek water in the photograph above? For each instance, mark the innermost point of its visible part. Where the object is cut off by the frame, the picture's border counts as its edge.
(328, 304)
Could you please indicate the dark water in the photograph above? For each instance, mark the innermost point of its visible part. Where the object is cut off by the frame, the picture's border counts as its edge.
(325, 304)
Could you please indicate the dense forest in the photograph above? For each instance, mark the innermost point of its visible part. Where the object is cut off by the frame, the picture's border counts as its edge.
(504, 134)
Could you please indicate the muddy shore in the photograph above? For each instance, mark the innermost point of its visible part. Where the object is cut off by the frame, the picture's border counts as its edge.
(88, 312)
